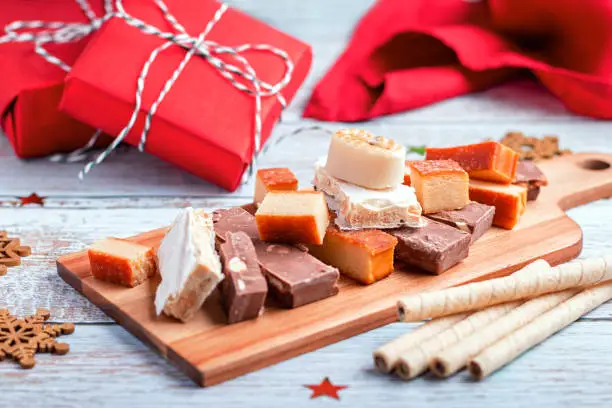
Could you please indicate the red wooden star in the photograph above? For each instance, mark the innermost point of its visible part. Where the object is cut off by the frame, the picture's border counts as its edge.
(31, 199)
(326, 388)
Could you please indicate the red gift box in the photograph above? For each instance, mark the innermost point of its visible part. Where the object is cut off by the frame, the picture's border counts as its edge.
(205, 124)
(31, 87)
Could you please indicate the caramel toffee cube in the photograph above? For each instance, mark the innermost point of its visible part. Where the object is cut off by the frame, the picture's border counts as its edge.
(364, 255)
(293, 217)
(439, 185)
(490, 161)
(509, 201)
(277, 179)
(121, 262)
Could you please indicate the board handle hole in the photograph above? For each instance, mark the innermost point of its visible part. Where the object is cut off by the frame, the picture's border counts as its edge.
(595, 164)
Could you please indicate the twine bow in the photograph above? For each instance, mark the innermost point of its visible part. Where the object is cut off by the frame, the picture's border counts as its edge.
(58, 32)
(210, 51)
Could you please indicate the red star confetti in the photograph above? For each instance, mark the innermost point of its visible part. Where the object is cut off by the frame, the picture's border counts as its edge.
(326, 388)
(31, 199)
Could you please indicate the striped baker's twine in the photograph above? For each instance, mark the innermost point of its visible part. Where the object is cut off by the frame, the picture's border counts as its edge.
(209, 50)
(44, 32)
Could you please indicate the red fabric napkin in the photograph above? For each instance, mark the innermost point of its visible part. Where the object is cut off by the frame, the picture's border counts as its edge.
(407, 54)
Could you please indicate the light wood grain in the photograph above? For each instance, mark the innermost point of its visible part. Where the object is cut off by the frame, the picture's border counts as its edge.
(109, 367)
(210, 351)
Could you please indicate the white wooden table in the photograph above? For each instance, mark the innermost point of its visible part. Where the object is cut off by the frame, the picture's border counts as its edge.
(134, 192)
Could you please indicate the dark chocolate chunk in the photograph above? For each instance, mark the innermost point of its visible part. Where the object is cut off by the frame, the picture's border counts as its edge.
(244, 287)
(474, 218)
(294, 276)
(529, 175)
(434, 247)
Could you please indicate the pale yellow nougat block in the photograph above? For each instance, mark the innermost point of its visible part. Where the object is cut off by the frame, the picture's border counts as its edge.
(293, 217)
(439, 185)
(358, 157)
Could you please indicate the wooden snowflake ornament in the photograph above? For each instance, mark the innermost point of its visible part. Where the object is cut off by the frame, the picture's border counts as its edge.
(11, 252)
(22, 339)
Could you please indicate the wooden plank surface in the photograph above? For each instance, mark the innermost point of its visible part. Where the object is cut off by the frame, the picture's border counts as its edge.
(108, 366)
(210, 351)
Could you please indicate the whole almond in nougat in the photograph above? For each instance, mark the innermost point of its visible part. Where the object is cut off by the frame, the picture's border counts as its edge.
(122, 262)
(369, 161)
(439, 185)
(293, 217)
(509, 201)
(274, 179)
(489, 161)
(364, 255)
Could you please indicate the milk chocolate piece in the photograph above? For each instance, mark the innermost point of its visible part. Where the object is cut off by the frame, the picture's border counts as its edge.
(244, 287)
(530, 176)
(474, 218)
(294, 276)
(434, 248)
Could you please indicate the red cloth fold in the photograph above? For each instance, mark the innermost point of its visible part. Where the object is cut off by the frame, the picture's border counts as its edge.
(408, 54)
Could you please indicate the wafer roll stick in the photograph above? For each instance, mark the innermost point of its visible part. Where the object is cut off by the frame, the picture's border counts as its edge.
(454, 358)
(521, 340)
(415, 361)
(387, 356)
(479, 295)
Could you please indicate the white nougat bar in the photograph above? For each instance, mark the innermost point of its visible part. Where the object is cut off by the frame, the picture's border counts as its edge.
(357, 207)
(188, 264)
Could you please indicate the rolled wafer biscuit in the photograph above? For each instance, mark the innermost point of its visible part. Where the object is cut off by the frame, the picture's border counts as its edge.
(521, 340)
(479, 295)
(387, 356)
(415, 361)
(452, 359)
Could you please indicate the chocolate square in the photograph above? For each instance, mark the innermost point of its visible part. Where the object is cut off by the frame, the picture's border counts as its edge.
(434, 248)
(475, 218)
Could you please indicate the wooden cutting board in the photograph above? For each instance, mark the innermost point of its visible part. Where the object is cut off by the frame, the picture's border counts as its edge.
(211, 351)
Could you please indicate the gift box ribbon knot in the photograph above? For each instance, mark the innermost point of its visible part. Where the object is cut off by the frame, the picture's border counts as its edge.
(44, 32)
(239, 73)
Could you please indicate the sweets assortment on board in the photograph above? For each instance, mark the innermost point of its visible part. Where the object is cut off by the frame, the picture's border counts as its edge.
(292, 244)
(360, 217)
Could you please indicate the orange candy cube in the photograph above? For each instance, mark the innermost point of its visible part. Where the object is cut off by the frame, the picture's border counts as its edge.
(489, 161)
(509, 201)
